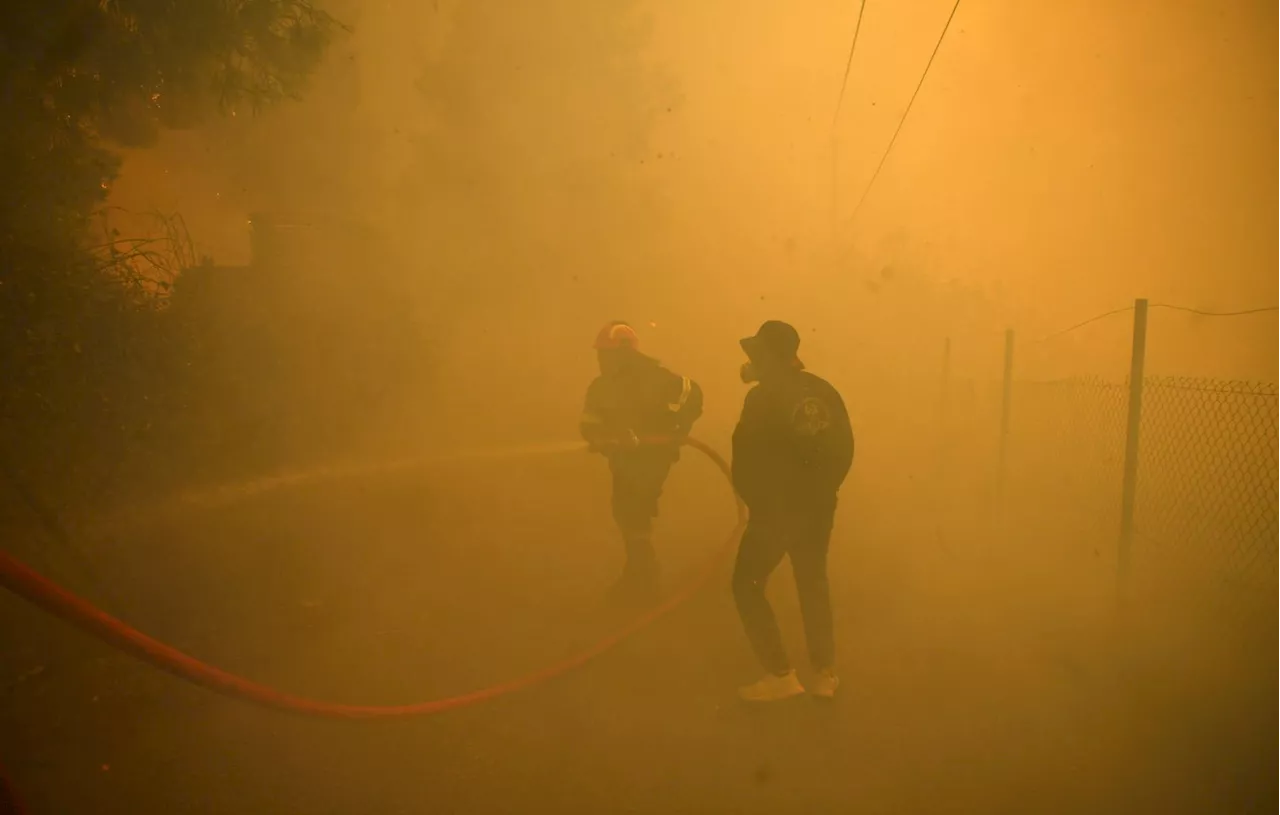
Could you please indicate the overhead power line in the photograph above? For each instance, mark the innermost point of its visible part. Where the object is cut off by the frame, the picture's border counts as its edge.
(1167, 306)
(902, 121)
(853, 45)
(1197, 311)
(1083, 323)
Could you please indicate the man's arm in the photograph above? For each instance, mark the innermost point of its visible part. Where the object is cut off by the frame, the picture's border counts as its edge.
(839, 443)
(821, 439)
(687, 405)
(750, 445)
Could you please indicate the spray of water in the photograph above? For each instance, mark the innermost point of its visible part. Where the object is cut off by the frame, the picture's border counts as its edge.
(222, 495)
(523, 451)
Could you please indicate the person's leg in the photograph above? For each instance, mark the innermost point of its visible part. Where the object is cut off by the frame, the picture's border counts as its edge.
(759, 553)
(761, 550)
(809, 566)
(637, 486)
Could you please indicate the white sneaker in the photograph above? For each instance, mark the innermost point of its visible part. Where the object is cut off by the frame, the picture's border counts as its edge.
(772, 688)
(824, 685)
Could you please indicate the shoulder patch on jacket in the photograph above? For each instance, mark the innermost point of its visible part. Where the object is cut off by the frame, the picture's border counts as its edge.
(811, 416)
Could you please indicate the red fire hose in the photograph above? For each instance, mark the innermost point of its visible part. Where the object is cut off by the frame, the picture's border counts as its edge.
(10, 804)
(47, 595)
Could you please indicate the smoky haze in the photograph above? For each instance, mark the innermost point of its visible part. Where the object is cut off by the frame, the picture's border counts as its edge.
(1060, 162)
(394, 282)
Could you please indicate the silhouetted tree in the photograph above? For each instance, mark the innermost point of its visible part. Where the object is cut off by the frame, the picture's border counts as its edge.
(77, 77)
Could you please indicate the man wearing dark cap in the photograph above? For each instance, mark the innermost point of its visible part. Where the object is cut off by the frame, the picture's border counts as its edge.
(792, 449)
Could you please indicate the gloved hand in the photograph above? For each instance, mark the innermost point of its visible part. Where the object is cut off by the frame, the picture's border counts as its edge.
(615, 444)
(620, 443)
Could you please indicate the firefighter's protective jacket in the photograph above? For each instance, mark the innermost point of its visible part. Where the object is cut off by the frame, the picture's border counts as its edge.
(793, 445)
(643, 398)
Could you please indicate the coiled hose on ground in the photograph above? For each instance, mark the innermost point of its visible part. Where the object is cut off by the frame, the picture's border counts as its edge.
(25, 582)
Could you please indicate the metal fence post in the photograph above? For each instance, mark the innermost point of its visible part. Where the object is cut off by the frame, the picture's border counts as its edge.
(1006, 405)
(1137, 365)
(944, 397)
(946, 378)
(944, 388)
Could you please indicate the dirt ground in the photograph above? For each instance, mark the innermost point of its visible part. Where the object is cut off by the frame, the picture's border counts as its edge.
(978, 678)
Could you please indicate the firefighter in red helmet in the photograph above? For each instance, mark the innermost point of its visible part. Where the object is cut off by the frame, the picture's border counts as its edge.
(635, 399)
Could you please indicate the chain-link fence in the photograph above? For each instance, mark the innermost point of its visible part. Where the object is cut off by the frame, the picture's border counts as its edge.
(1197, 456)
(1205, 511)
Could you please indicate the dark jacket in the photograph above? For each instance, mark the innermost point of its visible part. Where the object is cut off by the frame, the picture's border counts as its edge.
(644, 398)
(793, 445)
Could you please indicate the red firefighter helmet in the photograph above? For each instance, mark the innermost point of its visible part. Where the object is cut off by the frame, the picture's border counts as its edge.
(616, 336)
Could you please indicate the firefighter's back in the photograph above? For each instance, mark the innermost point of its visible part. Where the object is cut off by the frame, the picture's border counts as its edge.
(644, 398)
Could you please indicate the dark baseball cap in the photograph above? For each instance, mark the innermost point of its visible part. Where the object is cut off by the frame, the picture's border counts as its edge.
(774, 338)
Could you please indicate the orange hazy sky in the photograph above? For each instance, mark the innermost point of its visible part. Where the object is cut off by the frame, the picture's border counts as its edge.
(1062, 158)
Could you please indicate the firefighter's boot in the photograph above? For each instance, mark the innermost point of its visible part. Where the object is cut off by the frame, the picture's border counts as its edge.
(640, 580)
